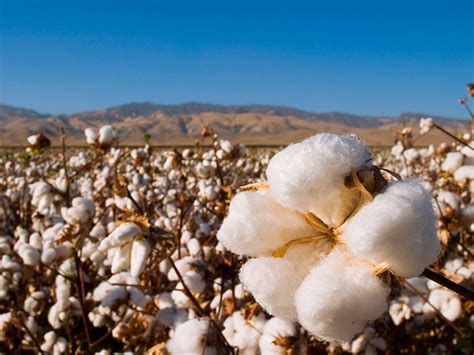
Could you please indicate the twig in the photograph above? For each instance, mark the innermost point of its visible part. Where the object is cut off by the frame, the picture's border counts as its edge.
(414, 290)
(459, 140)
(444, 281)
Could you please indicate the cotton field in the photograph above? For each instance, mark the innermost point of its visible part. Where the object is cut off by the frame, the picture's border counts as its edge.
(323, 246)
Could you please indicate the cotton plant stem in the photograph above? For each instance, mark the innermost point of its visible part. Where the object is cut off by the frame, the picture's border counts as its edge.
(452, 136)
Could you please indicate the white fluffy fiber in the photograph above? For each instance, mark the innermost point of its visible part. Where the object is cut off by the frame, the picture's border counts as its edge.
(190, 338)
(452, 162)
(339, 296)
(257, 225)
(273, 283)
(276, 328)
(465, 172)
(244, 333)
(106, 135)
(397, 229)
(309, 176)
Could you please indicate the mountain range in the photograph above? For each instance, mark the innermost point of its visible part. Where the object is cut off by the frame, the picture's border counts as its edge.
(182, 123)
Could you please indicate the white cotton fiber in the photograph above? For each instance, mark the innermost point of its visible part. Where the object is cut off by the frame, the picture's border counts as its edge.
(465, 172)
(309, 176)
(190, 338)
(397, 229)
(140, 251)
(447, 302)
(257, 225)
(272, 282)
(121, 235)
(339, 296)
(106, 135)
(91, 136)
(452, 162)
(276, 329)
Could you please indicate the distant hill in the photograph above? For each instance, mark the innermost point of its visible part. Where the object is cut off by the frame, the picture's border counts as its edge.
(181, 124)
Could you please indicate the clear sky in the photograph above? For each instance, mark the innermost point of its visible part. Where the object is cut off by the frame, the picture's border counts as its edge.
(363, 57)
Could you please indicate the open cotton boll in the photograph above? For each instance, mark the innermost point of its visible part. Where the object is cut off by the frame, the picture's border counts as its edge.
(448, 199)
(124, 233)
(106, 135)
(272, 282)
(465, 172)
(309, 176)
(447, 302)
(140, 251)
(274, 330)
(257, 225)
(190, 338)
(452, 162)
(339, 296)
(397, 229)
(91, 136)
(244, 333)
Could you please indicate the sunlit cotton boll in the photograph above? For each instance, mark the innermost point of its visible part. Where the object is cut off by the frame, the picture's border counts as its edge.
(275, 331)
(244, 333)
(309, 176)
(452, 162)
(91, 136)
(339, 296)
(396, 230)
(190, 338)
(106, 135)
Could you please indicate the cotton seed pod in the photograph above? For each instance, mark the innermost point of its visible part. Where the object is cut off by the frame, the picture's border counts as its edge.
(140, 251)
(91, 136)
(309, 176)
(396, 230)
(106, 135)
(339, 296)
(257, 225)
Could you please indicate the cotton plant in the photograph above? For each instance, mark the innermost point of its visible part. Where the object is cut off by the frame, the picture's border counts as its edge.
(323, 229)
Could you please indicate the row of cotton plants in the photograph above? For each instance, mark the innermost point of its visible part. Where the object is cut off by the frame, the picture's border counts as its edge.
(319, 247)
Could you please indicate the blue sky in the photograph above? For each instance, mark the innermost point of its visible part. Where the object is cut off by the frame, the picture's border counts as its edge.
(363, 57)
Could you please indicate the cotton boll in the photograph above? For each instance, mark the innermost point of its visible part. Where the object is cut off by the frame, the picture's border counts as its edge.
(339, 296)
(448, 199)
(309, 176)
(190, 338)
(91, 136)
(29, 255)
(245, 333)
(275, 329)
(397, 229)
(124, 233)
(106, 135)
(194, 246)
(257, 225)
(140, 251)
(446, 302)
(452, 162)
(121, 261)
(272, 281)
(464, 173)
